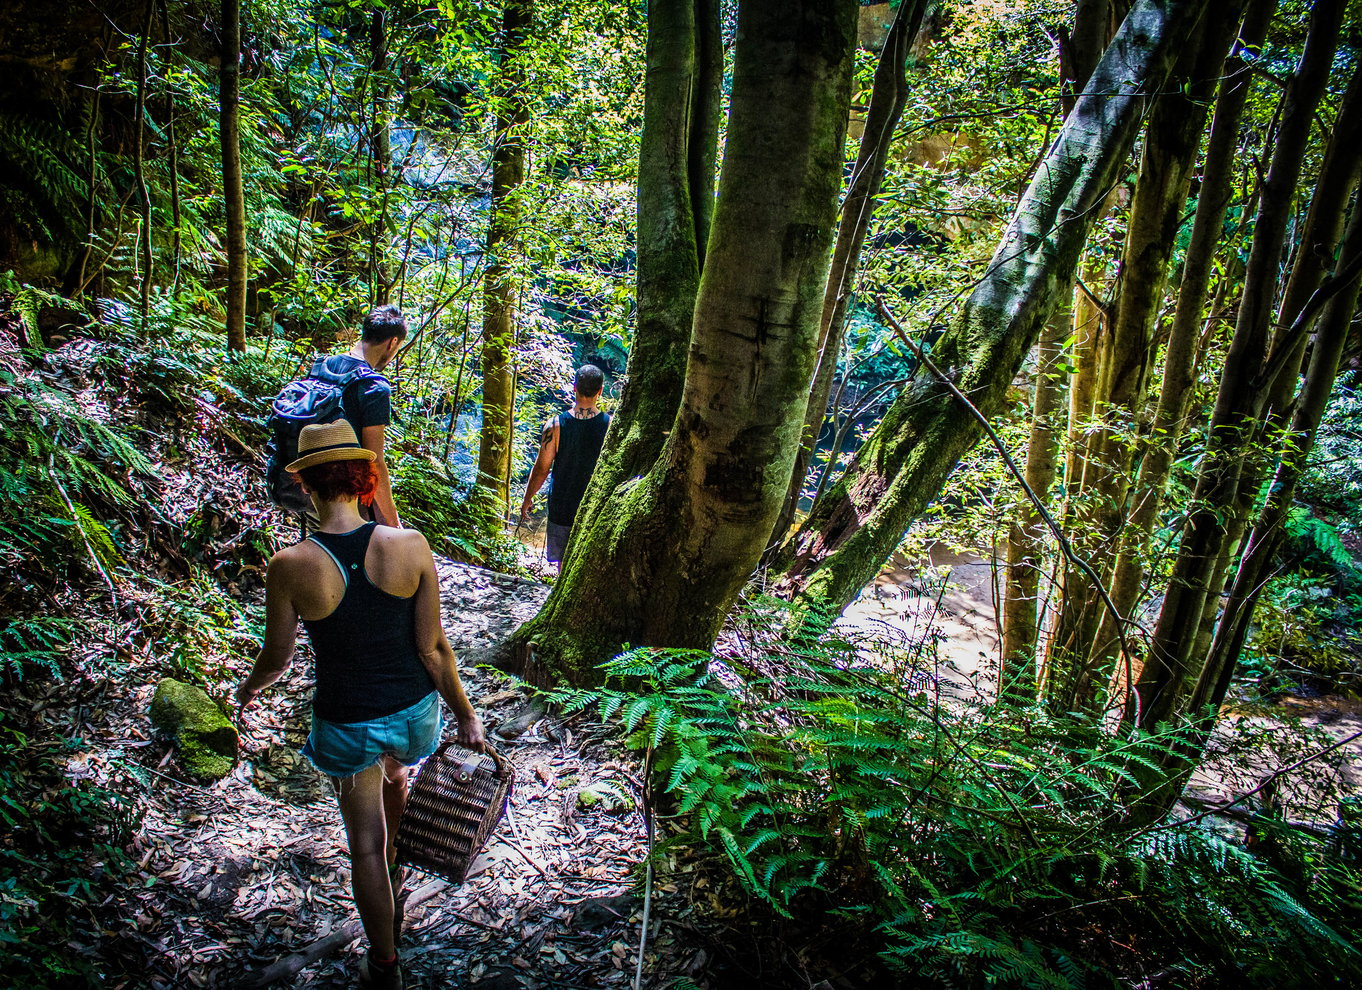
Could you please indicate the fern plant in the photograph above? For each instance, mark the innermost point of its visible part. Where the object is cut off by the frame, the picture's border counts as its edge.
(983, 845)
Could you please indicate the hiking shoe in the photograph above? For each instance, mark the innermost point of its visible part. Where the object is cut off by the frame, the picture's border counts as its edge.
(397, 876)
(372, 976)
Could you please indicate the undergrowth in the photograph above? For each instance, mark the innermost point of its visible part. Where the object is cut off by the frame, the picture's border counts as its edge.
(976, 845)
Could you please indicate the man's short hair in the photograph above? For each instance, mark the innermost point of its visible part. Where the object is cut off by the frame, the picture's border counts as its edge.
(382, 324)
(589, 381)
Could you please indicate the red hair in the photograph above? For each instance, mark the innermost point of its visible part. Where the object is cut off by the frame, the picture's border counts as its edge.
(336, 480)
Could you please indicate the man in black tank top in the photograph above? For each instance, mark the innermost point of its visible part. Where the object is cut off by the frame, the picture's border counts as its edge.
(569, 448)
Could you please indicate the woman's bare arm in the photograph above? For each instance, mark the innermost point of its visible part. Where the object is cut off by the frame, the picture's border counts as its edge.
(438, 656)
(281, 632)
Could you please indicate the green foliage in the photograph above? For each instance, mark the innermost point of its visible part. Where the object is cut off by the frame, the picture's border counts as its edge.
(61, 470)
(450, 513)
(63, 850)
(984, 846)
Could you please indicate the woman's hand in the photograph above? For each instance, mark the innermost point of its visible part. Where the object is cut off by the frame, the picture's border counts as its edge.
(470, 733)
(244, 695)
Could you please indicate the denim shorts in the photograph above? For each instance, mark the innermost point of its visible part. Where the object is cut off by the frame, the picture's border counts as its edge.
(343, 749)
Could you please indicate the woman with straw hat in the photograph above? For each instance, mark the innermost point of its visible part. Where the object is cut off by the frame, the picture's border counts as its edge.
(370, 601)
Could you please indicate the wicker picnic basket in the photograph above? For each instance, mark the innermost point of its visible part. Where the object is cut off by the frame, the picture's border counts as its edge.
(454, 805)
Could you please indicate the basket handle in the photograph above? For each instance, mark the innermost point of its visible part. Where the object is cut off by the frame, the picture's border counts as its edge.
(471, 760)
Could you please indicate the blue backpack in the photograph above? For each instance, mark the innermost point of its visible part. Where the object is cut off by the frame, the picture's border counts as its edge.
(314, 399)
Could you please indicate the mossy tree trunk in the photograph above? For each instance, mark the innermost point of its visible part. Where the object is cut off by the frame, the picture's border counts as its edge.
(229, 98)
(677, 162)
(665, 555)
(888, 94)
(1172, 666)
(501, 287)
(907, 458)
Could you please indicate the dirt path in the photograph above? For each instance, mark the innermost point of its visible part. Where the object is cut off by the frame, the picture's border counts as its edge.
(254, 867)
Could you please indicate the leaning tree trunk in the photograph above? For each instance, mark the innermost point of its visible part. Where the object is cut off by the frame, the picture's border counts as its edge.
(229, 101)
(665, 556)
(908, 457)
(1172, 666)
(501, 287)
(888, 94)
(1180, 354)
(677, 158)
(1171, 142)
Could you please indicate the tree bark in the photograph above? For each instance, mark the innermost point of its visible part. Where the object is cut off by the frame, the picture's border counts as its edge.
(1180, 354)
(501, 288)
(173, 149)
(907, 458)
(1017, 674)
(664, 558)
(1171, 142)
(677, 158)
(1171, 667)
(233, 194)
(140, 170)
(888, 94)
(1267, 534)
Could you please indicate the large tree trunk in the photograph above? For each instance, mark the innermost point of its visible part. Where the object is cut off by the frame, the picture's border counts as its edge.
(677, 158)
(1170, 150)
(501, 288)
(888, 94)
(1180, 355)
(233, 195)
(1172, 666)
(907, 458)
(664, 558)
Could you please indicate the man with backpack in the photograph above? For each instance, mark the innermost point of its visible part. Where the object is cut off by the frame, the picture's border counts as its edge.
(341, 386)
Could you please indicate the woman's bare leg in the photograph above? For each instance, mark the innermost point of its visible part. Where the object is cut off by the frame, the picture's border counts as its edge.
(394, 800)
(362, 808)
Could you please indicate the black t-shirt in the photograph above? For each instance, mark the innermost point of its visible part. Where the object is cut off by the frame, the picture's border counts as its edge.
(369, 401)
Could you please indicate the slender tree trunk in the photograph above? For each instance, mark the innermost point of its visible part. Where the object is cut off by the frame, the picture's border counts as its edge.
(1170, 150)
(380, 150)
(172, 146)
(664, 559)
(1017, 673)
(907, 458)
(888, 94)
(139, 168)
(1180, 354)
(677, 164)
(1266, 538)
(233, 195)
(1171, 667)
(1021, 595)
(500, 290)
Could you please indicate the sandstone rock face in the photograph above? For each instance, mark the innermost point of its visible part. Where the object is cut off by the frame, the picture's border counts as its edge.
(206, 742)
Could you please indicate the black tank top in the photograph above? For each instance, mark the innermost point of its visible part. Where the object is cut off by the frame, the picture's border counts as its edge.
(579, 444)
(367, 662)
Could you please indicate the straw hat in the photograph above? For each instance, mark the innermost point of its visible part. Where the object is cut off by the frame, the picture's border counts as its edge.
(319, 443)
